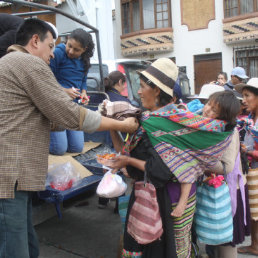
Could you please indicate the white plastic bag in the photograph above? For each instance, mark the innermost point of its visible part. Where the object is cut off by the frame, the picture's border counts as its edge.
(62, 176)
(111, 185)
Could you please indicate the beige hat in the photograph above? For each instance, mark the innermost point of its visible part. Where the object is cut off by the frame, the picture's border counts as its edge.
(207, 90)
(163, 73)
(253, 82)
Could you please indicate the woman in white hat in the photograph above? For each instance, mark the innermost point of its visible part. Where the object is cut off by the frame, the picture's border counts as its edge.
(166, 147)
(250, 147)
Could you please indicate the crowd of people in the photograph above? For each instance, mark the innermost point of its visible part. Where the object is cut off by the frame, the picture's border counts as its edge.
(170, 167)
(172, 144)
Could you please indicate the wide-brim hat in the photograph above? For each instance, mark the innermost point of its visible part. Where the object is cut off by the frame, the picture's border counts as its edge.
(163, 73)
(206, 91)
(253, 82)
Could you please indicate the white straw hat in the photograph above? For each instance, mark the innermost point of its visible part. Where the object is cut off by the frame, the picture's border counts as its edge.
(253, 82)
(163, 73)
(207, 90)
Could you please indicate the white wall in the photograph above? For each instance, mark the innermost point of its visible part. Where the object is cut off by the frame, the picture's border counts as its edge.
(117, 27)
(190, 43)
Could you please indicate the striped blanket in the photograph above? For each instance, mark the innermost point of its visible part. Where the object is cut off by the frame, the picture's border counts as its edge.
(187, 143)
(248, 124)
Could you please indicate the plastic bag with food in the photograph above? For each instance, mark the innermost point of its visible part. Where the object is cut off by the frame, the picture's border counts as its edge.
(111, 185)
(62, 176)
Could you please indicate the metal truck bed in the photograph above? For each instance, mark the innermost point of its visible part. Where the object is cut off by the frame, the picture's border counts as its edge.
(88, 160)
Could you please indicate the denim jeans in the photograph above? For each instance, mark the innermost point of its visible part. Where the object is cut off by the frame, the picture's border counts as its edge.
(18, 238)
(66, 141)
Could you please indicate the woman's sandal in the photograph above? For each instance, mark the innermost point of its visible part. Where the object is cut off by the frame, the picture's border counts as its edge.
(247, 250)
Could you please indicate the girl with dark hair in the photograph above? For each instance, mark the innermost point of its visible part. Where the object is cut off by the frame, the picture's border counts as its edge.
(220, 105)
(225, 106)
(70, 66)
(114, 85)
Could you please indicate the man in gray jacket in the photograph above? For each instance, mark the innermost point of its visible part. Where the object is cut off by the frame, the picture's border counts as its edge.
(31, 98)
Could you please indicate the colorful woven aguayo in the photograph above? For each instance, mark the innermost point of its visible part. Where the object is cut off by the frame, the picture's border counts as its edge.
(248, 124)
(186, 142)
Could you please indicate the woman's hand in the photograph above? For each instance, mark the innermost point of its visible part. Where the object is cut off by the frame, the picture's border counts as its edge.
(72, 92)
(84, 97)
(124, 171)
(120, 161)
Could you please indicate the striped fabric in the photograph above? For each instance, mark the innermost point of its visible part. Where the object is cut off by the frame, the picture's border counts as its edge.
(187, 143)
(252, 181)
(120, 110)
(213, 217)
(122, 208)
(144, 222)
(248, 124)
(182, 228)
(128, 254)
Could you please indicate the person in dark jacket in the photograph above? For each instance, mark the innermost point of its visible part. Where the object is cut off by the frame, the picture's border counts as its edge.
(114, 86)
(8, 27)
(238, 75)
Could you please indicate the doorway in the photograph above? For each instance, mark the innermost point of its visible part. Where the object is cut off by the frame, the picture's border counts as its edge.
(206, 68)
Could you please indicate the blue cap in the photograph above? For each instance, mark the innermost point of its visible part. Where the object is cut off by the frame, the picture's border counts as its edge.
(239, 72)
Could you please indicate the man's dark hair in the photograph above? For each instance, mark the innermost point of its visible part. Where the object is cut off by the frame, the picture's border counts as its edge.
(31, 27)
(240, 79)
(229, 107)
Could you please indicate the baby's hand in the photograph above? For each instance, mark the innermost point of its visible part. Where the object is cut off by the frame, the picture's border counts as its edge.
(178, 211)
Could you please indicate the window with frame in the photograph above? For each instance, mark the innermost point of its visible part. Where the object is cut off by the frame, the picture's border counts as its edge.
(248, 59)
(145, 14)
(238, 7)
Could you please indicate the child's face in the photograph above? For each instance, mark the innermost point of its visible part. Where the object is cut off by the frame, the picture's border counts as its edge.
(211, 110)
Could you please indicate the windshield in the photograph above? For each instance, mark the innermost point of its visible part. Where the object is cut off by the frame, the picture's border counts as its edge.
(93, 84)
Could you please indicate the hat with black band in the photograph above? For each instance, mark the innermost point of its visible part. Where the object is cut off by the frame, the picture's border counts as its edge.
(163, 73)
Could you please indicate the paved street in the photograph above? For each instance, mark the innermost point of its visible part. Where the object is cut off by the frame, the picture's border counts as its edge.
(84, 231)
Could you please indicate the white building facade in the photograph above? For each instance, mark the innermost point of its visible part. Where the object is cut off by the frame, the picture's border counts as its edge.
(202, 36)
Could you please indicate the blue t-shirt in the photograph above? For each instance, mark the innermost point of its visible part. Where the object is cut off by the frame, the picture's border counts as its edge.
(68, 72)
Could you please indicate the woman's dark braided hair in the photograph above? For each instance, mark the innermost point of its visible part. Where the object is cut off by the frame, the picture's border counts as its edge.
(86, 41)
